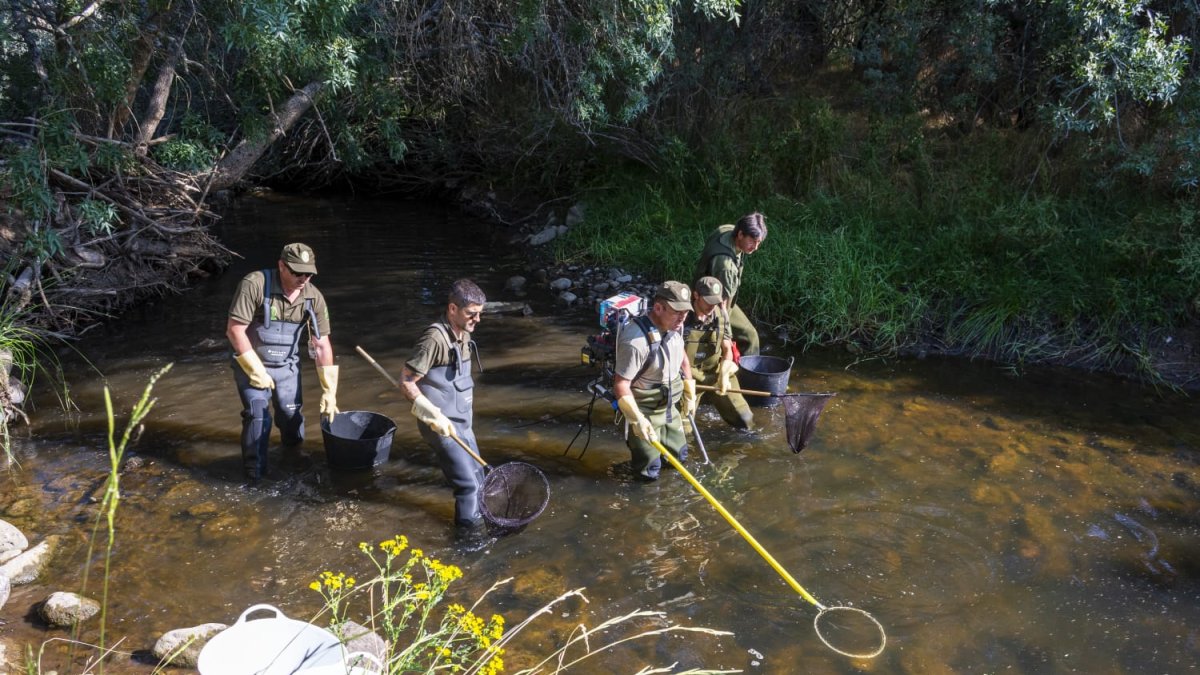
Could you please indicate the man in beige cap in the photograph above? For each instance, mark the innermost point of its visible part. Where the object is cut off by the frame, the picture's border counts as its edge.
(652, 376)
(270, 310)
(708, 341)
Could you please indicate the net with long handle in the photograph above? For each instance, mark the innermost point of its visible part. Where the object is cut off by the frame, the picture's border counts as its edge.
(802, 411)
(513, 494)
(849, 631)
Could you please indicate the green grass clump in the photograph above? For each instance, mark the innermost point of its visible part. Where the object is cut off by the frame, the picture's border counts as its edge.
(902, 244)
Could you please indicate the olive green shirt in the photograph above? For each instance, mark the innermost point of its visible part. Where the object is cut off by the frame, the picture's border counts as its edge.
(248, 302)
(433, 348)
(722, 260)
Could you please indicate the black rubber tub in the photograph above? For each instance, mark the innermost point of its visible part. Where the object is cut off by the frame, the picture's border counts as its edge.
(764, 373)
(357, 439)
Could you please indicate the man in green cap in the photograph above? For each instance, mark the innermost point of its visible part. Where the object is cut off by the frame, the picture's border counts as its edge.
(722, 258)
(270, 310)
(709, 347)
(652, 376)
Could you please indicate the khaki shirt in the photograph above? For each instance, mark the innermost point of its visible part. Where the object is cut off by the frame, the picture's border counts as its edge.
(633, 349)
(248, 301)
(433, 349)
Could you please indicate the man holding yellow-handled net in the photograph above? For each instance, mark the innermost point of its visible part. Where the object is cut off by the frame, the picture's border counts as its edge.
(652, 379)
(269, 312)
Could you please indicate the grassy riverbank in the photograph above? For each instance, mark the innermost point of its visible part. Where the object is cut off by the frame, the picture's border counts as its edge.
(889, 242)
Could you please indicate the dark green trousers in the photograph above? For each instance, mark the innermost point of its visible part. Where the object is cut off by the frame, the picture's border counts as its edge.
(646, 459)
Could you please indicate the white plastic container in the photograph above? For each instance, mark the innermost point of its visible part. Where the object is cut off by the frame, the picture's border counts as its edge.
(272, 646)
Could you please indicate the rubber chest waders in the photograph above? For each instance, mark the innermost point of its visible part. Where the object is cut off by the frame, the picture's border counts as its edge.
(451, 388)
(703, 345)
(277, 343)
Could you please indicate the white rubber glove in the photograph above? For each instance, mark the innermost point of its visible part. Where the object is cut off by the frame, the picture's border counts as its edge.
(639, 423)
(687, 405)
(255, 370)
(328, 375)
(726, 369)
(424, 410)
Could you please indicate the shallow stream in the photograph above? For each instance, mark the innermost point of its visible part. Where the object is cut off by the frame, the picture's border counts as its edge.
(992, 523)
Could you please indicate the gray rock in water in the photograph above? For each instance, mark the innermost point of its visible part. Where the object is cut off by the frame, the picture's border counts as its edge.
(574, 215)
(5, 590)
(11, 539)
(546, 236)
(567, 298)
(359, 638)
(67, 609)
(504, 307)
(515, 283)
(181, 647)
(26, 567)
(561, 284)
(210, 345)
(623, 279)
(600, 287)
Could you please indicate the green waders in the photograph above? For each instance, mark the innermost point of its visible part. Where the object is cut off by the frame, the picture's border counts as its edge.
(658, 406)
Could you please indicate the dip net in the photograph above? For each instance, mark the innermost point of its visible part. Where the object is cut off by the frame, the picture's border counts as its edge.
(513, 494)
(801, 419)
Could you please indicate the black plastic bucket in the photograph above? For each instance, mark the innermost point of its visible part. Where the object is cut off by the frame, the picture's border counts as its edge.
(764, 373)
(357, 439)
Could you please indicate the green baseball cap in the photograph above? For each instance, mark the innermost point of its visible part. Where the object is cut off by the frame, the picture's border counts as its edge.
(677, 296)
(709, 289)
(299, 258)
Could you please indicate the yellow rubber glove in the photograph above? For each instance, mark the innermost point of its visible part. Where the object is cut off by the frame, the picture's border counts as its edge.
(639, 423)
(328, 375)
(255, 370)
(726, 369)
(424, 410)
(687, 406)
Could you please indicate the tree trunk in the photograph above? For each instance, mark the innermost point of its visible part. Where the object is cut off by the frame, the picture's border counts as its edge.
(143, 51)
(238, 162)
(157, 106)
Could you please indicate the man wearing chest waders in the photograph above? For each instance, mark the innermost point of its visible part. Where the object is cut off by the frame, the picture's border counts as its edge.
(270, 310)
(437, 379)
(709, 346)
(723, 258)
(652, 376)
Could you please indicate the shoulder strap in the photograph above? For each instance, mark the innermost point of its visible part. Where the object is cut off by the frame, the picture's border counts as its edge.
(267, 297)
(653, 337)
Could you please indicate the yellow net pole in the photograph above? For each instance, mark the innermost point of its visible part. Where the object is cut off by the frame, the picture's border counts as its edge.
(737, 526)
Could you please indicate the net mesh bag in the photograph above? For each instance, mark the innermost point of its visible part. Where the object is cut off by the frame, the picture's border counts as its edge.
(802, 413)
(514, 494)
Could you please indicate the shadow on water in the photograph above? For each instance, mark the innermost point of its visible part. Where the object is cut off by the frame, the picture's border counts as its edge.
(1042, 523)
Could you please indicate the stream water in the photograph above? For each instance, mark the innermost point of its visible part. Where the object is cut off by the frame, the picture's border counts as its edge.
(1041, 523)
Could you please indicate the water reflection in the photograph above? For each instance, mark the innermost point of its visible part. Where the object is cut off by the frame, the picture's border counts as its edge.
(1038, 524)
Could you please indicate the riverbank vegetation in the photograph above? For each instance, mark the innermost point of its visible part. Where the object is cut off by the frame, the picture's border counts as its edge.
(1014, 179)
(905, 244)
